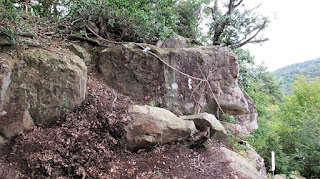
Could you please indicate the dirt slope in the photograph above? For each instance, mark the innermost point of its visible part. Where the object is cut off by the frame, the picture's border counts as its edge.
(85, 144)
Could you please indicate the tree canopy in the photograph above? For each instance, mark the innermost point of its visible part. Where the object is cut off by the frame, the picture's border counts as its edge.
(293, 130)
(234, 25)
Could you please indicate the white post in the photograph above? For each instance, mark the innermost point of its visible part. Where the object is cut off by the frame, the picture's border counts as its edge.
(273, 163)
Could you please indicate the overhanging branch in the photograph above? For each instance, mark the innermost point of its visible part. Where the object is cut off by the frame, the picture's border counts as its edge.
(249, 40)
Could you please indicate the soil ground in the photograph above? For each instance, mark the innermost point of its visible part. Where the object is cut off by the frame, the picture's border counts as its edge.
(86, 143)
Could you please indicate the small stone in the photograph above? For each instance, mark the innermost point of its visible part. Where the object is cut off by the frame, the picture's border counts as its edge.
(189, 105)
(2, 140)
(3, 113)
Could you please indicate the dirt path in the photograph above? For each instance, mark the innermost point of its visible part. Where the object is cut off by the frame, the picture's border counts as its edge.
(85, 144)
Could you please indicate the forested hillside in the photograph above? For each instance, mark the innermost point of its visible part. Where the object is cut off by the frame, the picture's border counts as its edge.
(289, 73)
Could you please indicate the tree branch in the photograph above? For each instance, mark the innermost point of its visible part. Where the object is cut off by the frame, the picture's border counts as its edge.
(235, 6)
(249, 39)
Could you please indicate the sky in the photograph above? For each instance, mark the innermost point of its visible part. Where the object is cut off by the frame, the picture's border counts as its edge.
(294, 32)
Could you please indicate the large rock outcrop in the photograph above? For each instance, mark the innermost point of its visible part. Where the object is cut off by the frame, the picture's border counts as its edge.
(141, 74)
(37, 85)
(152, 125)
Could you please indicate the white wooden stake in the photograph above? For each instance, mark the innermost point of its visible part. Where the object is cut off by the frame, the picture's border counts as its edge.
(273, 163)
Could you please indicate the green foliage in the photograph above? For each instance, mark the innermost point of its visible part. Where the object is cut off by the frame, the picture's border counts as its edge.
(235, 142)
(125, 20)
(288, 74)
(234, 25)
(152, 103)
(9, 11)
(246, 65)
(10, 34)
(65, 106)
(293, 130)
(228, 118)
(258, 82)
(159, 173)
(189, 16)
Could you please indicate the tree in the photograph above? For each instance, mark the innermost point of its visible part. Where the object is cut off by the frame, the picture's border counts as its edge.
(293, 130)
(189, 17)
(234, 26)
(300, 114)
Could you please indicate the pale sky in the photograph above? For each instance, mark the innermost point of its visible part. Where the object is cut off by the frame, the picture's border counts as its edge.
(294, 32)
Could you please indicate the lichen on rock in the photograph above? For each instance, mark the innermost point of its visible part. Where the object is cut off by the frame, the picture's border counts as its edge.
(39, 81)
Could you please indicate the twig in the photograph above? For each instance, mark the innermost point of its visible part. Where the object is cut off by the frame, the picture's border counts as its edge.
(209, 86)
(101, 38)
(115, 97)
(84, 38)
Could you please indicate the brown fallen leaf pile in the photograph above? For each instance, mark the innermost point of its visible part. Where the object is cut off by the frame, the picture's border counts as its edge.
(86, 143)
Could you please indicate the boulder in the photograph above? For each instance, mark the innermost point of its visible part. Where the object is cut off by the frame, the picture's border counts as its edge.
(254, 157)
(242, 165)
(176, 41)
(152, 125)
(282, 176)
(236, 129)
(204, 120)
(293, 175)
(140, 74)
(84, 54)
(37, 85)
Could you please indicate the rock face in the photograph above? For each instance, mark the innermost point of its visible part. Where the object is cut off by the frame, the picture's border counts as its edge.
(246, 123)
(243, 166)
(142, 75)
(38, 85)
(152, 125)
(249, 121)
(84, 54)
(204, 120)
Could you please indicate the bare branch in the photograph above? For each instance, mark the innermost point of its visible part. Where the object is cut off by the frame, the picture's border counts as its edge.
(263, 25)
(214, 10)
(257, 41)
(235, 6)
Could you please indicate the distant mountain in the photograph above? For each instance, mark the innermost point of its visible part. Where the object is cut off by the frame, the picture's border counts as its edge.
(309, 69)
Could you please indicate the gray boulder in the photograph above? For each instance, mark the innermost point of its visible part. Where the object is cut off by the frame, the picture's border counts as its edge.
(204, 120)
(153, 125)
(36, 86)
